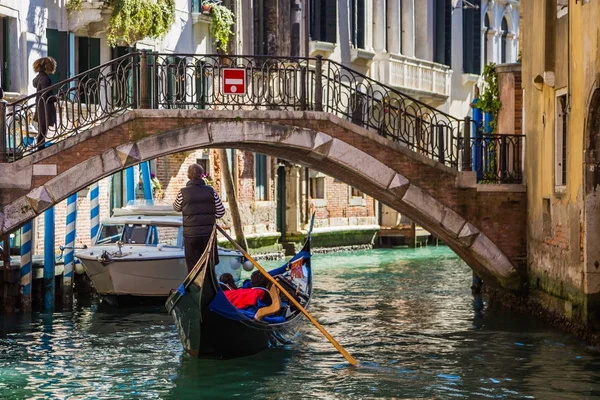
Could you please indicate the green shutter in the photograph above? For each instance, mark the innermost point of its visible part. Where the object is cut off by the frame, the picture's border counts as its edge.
(58, 48)
(260, 176)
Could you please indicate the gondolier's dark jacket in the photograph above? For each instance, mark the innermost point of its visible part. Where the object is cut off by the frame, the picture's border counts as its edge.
(198, 205)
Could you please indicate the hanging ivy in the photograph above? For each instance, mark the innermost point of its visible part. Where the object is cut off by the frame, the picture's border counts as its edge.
(222, 19)
(74, 5)
(489, 99)
(133, 20)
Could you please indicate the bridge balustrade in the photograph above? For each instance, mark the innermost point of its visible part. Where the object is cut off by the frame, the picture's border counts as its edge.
(189, 81)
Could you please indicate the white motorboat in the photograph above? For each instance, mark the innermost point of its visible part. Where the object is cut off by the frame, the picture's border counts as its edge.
(139, 252)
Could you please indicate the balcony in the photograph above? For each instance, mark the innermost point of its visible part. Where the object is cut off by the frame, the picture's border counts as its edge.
(425, 80)
(93, 16)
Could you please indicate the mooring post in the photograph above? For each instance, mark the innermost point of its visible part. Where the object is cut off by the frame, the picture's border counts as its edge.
(466, 161)
(26, 267)
(319, 83)
(130, 185)
(49, 259)
(147, 180)
(94, 211)
(69, 259)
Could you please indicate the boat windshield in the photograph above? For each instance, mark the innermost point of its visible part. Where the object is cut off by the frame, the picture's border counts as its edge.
(109, 234)
(140, 234)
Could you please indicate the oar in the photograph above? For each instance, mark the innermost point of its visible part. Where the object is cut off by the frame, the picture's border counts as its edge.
(339, 348)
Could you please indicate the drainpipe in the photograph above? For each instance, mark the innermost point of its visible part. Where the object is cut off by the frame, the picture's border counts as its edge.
(49, 262)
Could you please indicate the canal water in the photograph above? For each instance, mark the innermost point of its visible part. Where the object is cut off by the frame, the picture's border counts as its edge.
(407, 315)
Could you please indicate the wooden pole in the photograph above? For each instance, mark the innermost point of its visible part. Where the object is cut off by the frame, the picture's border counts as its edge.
(232, 200)
(339, 348)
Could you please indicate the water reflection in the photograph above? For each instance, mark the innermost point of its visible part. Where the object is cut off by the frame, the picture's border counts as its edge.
(408, 316)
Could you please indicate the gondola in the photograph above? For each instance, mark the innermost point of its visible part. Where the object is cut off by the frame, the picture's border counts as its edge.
(209, 325)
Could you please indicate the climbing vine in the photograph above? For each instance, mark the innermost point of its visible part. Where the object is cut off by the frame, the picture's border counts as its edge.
(489, 100)
(222, 19)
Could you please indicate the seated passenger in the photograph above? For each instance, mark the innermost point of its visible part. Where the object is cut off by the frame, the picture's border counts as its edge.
(227, 281)
(257, 279)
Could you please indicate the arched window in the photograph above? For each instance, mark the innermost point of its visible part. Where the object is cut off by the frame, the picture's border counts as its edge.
(503, 45)
(486, 26)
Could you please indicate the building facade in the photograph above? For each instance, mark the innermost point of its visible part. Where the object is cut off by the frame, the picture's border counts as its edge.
(561, 82)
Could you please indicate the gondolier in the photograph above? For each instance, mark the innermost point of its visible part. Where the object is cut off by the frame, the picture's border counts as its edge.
(201, 206)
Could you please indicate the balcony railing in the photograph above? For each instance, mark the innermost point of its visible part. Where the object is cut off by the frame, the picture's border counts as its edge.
(498, 158)
(415, 75)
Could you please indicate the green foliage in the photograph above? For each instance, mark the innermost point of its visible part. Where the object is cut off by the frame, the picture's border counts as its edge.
(489, 100)
(133, 20)
(74, 5)
(221, 23)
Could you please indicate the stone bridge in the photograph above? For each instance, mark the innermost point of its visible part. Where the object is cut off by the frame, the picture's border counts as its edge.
(483, 224)
(312, 112)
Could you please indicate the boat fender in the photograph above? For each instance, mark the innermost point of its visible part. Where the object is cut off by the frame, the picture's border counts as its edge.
(248, 266)
(235, 263)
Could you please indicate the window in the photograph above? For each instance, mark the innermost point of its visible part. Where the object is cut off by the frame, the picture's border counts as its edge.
(357, 198)
(5, 53)
(260, 177)
(560, 140)
(485, 44)
(357, 23)
(317, 188)
(472, 38)
(503, 58)
(88, 57)
(323, 20)
(442, 32)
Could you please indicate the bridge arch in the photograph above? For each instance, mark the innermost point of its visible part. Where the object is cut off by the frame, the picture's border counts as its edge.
(444, 201)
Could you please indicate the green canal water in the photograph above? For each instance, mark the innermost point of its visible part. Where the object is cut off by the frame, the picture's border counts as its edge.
(406, 315)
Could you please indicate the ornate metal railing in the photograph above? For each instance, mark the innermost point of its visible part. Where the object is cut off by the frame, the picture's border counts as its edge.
(190, 81)
(498, 158)
(75, 105)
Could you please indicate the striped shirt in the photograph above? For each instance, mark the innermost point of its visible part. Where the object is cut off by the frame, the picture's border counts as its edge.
(219, 207)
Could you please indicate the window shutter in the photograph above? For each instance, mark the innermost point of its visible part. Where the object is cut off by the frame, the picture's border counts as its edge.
(442, 32)
(331, 21)
(472, 39)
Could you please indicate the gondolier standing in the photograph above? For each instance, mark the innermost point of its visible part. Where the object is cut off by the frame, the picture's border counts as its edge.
(201, 206)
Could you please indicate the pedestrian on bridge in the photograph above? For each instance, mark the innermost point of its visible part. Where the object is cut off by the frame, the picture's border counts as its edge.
(201, 206)
(45, 110)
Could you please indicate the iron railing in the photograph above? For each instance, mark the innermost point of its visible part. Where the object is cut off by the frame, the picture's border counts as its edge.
(498, 158)
(189, 81)
(78, 103)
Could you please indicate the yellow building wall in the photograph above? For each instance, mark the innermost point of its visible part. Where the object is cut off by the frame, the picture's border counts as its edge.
(556, 220)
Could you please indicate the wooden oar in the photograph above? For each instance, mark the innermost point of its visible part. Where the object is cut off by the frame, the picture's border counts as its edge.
(339, 348)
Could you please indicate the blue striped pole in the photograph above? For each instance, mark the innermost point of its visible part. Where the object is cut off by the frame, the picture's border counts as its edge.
(94, 211)
(130, 184)
(147, 180)
(69, 250)
(49, 267)
(26, 267)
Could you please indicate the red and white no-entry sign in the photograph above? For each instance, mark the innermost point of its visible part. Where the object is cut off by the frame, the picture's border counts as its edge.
(234, 81)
